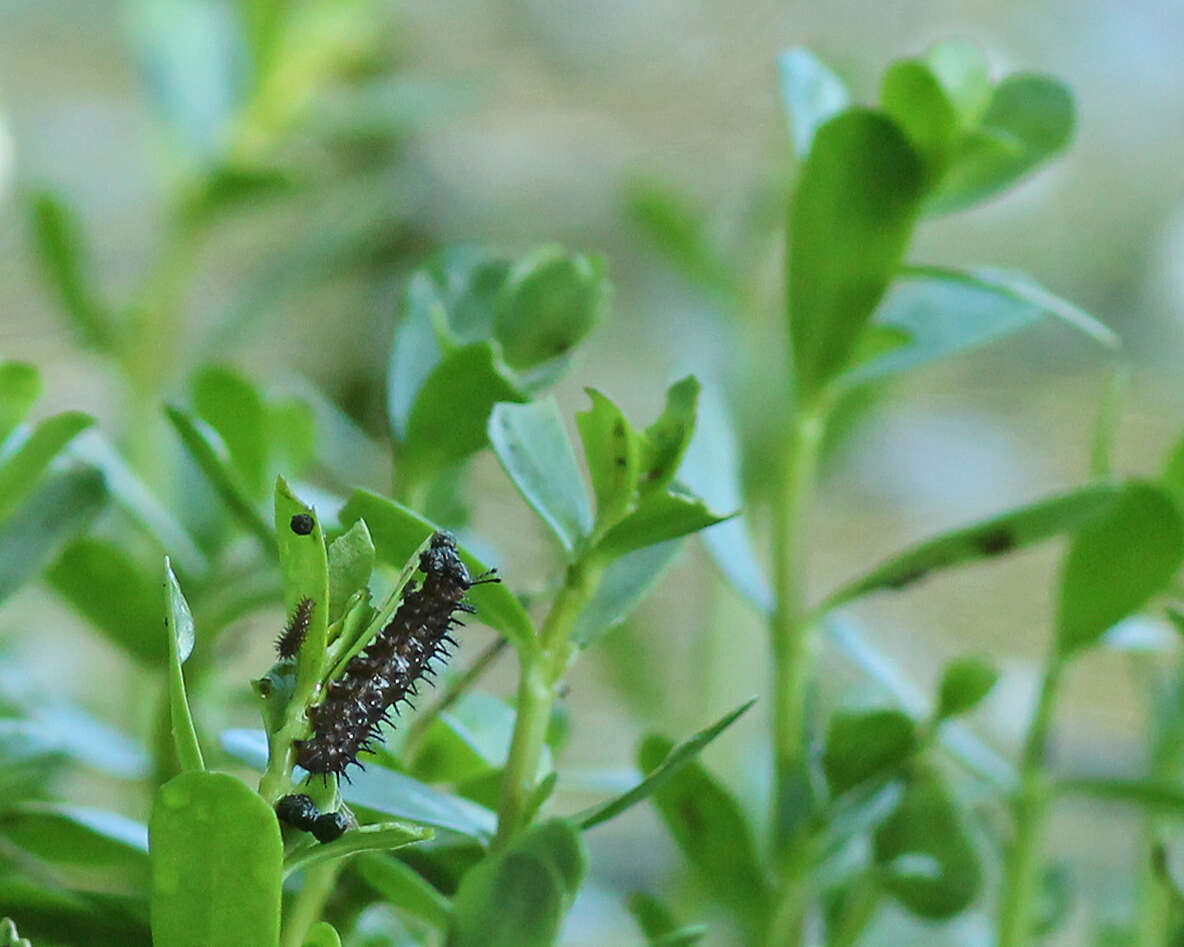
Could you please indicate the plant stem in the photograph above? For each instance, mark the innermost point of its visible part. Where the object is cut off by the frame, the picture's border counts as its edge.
(858, 910)
(542, 672)
(1021, 878)
(309, 902)
(792, 635)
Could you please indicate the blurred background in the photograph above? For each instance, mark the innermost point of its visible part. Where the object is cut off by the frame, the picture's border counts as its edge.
(416, 125)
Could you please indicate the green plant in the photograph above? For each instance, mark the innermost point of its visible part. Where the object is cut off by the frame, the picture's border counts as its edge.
(451, 834)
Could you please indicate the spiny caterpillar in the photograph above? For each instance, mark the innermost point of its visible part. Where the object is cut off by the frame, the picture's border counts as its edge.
(377, 679)
(292, 637)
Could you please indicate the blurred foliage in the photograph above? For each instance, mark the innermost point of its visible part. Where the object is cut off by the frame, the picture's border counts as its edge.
(465, 828)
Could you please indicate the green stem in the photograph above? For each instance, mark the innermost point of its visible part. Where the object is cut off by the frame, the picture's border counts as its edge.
(793, 641)
(542, 672)
(859, 909)
(308, 904)
(1021, 880)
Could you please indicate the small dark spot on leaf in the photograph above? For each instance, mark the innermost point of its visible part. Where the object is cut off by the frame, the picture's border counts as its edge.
(1159, 860)
(996, 541)
(302, 524)
(905, 579)
(688, 811)
(619, 428)
(622, 462)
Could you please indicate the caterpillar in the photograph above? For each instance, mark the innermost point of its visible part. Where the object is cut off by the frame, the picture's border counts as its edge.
(300, 811)
(292, 637)
(387, 672)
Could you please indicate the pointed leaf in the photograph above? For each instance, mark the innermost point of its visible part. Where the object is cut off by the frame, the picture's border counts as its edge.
(913, 97)
(23, 469)
(1117, 562)
(31, 538)
(662, 771)
(850, 222)
(996, 536)
(811, 95)
(532, 445)
(20, 387)
(624, 584)
(111, 590)
(659, 518)
(178, 628)
(612, 450)
(351, 560)
(305, 567)
(666, 440)
(230, 404)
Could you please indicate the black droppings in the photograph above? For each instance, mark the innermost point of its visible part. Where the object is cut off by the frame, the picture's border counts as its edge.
(302, 524)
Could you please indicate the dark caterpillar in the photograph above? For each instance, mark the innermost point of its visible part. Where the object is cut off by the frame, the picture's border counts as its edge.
(387, 672)
(289, 642)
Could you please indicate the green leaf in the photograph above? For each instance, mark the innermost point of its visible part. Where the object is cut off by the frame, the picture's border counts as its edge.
(913, 97)
(705, 820)
(451, 412)
(305, 567)
(622, 587)
(130, 492)
(519, 897)
(666, 440)
(964, 683)
(351, 560)
(659, 924)
(850, 222)
(532, 445)
(385, 792)
(195, 65)
(1117, 562)
(322, 934)
(711, 469)
(23, 470)
(994, 537)
(1028, 119)
(73, 835)
(1022, 289)
(53, 915)
(936, 320)
(58, 241)
(20, 387)
(612, 450)
(811, 93)
(382, 837)
(232, 406)
(1155, 796)
(178, 628)
(862, 745)
(217, 864)
(216, 466)
(31, 538)
(962, 71)
(663, 770)
(403, 887)
(931, 866)
(678, 230)
(398, 532)
(548, 304)
(659, 518)
(415, 349)
(110, 589)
